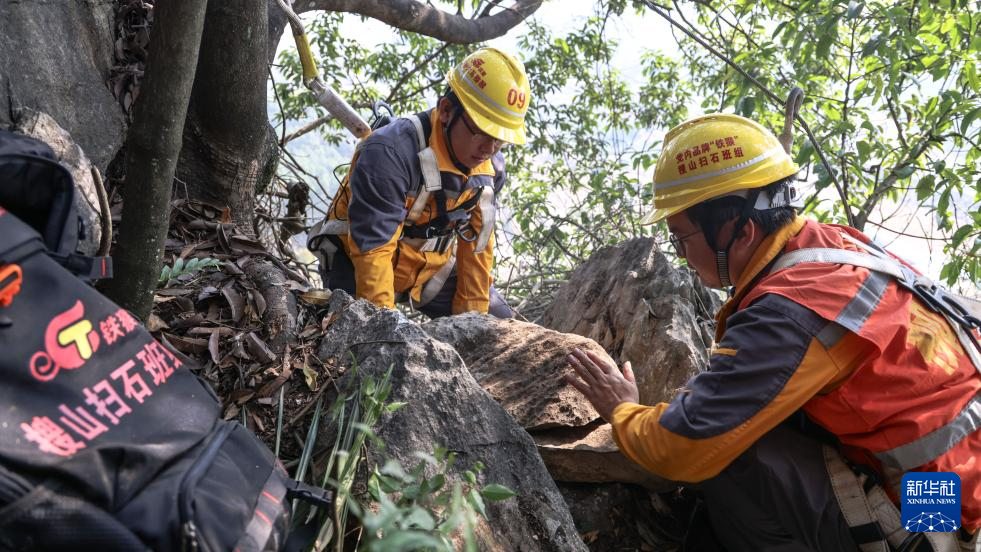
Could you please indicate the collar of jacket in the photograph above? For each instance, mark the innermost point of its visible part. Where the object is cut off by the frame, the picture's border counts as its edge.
(438, 144)
(768, 250)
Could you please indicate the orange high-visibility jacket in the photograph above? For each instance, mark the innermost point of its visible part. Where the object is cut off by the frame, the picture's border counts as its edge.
(383, 182)
(859, 354)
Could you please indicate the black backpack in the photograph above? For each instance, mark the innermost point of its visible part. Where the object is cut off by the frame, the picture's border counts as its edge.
(108, 441)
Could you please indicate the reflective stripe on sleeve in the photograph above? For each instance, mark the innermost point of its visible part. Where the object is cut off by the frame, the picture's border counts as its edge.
(937, 442)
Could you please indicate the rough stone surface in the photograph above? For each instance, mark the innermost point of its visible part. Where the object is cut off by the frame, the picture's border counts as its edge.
(55, 57)
(590, 455)
(43, 127)
(447, 406)
(616, 517)
(637, 306)
(521, 365)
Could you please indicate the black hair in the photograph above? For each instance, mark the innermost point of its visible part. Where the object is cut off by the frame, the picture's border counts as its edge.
(449, 94)
(711, 215)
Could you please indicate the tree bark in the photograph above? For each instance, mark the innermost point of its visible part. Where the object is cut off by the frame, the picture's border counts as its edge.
(229, 147)
(153, 145)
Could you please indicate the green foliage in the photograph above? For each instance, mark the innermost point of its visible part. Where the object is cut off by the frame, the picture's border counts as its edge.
(419, 511)
(180, 268)
(423, 508)
(892, 93)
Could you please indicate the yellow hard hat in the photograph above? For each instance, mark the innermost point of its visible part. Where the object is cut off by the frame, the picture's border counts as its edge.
(712, 156)
(494, 91)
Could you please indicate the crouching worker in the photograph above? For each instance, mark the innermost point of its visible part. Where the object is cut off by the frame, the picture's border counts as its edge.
(413, 221)
(823, 329)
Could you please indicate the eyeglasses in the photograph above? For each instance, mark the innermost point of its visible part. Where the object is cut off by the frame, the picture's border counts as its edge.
(480, 137)
(679, 243)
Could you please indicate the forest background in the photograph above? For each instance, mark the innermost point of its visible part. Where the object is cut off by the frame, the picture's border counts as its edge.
(892, 97)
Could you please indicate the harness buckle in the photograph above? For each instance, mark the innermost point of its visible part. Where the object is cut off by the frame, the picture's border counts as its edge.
(939, 300)
(466, 233)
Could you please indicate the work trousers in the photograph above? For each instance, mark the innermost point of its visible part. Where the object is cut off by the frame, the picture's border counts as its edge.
(342, 277)
(777, 496)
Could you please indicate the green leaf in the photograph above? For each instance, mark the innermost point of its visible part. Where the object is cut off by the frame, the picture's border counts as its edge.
(969, 118)
(405, 541)
(905, 171)
(473, 497)
(746, 106)
(864, 149)
(420, 518)
(495, 492)
(437, 482)
(960, 234)
(854, 9)
(392, 407)
(925, 188)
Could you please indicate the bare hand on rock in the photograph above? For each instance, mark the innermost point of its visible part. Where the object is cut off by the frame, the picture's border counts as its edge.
(601, 382)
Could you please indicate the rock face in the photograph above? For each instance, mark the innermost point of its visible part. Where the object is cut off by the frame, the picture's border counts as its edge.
(447, 406)
(46, 129)
(521, 365)
(55, 58)
(613, 517)
(590, 455)
(630, 300)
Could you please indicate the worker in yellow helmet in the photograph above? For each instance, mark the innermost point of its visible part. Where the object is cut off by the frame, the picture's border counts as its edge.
(414, 220)
(825, 330)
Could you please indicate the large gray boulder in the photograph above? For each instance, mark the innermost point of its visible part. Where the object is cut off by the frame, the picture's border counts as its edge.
(446, 406)
(55, 57)
(636, 305)
(521, 365)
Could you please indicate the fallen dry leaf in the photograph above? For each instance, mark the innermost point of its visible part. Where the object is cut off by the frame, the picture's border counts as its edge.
(317, 296)
(310, 375)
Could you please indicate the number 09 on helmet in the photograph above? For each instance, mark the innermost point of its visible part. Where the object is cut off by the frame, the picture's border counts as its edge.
(493, 89)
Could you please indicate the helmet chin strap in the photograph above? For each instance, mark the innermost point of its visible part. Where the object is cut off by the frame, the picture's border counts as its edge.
(722, 255)
(457, 113)
(722, 266)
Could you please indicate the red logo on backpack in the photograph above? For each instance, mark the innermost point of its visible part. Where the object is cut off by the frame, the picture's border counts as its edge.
(69, 342)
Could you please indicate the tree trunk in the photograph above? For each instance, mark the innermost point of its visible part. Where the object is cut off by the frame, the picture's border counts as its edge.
(153, 145)
(229, 149)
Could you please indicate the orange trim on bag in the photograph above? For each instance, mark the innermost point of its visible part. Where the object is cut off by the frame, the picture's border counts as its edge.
(722, 351)
(11, 278)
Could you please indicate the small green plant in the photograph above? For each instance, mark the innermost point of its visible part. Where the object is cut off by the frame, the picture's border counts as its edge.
(405, 510)
(180, 268)
(417, 511)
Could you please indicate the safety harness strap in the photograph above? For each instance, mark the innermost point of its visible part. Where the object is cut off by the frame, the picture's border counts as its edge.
(873, 519)
(848, 489)
(431, 179)
(932, 295)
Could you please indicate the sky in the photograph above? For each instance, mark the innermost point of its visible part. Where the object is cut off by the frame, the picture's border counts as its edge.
(634, 33)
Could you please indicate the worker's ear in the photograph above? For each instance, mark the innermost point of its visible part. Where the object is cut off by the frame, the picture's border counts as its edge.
(746, 236)
(445, 109)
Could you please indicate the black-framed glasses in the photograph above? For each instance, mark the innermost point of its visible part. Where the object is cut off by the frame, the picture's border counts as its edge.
(477, 135)
(679, 243)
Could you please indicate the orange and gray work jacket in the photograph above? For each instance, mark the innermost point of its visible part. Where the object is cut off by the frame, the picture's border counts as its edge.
(851, 346)
(402, 207)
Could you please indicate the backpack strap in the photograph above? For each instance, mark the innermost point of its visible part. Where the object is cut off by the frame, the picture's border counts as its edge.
(22, 241)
